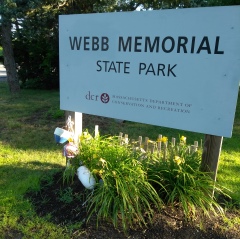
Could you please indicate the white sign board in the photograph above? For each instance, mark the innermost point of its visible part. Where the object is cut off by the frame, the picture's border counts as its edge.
(172, 68)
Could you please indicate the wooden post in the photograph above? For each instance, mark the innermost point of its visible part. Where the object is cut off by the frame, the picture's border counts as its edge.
(211, 153)
(173, 142)
(120, 138)
(76, 117)
(146, 144)
(96, 131)
(126, 138)
(159, 144)
(165, 151)
(140, 142)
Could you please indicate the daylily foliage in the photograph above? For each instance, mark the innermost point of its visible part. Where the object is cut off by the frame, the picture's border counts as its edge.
(132, 183)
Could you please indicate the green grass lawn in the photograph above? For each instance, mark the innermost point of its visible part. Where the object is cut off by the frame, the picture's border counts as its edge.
(29, 153)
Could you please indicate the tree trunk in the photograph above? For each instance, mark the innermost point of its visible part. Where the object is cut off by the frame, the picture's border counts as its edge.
(9, 60)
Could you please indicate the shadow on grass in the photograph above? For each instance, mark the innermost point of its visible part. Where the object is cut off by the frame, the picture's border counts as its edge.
(17, 178)
(15, 181)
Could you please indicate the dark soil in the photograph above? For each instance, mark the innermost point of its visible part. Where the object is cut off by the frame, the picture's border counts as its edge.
(66, 205)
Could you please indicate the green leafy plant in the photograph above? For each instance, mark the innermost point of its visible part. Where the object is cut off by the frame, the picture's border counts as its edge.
(178, 169)
(68, 174)
(66, 195)
(132, 181)
(123, 192)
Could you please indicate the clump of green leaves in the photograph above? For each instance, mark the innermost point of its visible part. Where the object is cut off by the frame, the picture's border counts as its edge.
(66, 195)
(180, 180)
(123, 192)
(132, 182)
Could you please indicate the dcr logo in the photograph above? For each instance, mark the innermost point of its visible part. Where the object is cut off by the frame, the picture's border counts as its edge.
(104, 97)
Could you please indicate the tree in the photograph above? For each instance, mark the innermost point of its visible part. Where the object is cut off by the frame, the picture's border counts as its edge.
(6, 40)
(36, 47)
(36, 40)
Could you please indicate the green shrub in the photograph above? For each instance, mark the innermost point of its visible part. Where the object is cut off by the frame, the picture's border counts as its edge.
(123, 193)
(132, 183)
(181, 183)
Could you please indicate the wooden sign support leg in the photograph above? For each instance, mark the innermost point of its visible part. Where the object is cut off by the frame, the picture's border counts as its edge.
(211, 153)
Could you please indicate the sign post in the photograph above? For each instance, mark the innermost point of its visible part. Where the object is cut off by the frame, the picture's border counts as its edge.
(210, 156)
(211, 153)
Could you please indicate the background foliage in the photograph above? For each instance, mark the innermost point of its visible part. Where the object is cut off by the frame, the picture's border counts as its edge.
(1, 54)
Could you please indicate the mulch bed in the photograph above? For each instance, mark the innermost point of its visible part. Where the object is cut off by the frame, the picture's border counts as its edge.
(66, 205)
